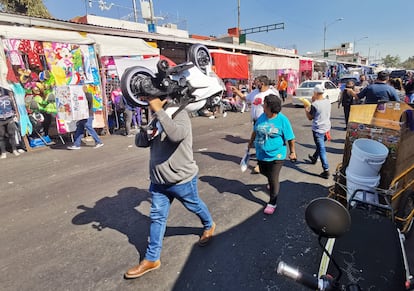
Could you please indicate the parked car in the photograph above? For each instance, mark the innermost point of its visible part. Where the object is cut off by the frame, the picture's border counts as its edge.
(402, 74)
(305, 90)
(398, 74)
(343, 80)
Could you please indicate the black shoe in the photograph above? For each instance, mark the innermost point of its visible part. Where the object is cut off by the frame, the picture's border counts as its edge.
(325, 174)
(312, 159)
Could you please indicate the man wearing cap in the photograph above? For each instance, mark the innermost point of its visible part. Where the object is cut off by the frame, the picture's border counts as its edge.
(320, 114)
(379, 91)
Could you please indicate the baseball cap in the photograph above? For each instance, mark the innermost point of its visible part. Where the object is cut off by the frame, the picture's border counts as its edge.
(318, 89)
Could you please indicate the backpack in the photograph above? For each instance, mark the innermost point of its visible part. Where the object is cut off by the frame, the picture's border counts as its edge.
(118, 102)
(6, 105)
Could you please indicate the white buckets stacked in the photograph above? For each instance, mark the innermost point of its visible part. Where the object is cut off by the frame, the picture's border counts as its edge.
(367, 158)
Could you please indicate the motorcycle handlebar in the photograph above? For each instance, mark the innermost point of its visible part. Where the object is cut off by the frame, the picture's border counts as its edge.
(302, 278)
(324, 283)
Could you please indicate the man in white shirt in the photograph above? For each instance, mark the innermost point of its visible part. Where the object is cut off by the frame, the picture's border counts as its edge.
(256, 96)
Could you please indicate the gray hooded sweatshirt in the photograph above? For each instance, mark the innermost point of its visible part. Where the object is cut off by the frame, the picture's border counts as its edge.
(171, 151)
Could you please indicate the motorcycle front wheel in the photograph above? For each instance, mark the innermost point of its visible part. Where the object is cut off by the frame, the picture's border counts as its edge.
(200, 57)
(131, 85)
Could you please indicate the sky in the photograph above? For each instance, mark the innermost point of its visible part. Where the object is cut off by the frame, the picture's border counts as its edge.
(378, 28)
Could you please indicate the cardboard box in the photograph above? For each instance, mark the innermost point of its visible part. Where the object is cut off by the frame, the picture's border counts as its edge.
(390, 123)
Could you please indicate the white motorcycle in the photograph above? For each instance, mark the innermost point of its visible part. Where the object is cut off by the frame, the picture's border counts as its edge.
(189, 84)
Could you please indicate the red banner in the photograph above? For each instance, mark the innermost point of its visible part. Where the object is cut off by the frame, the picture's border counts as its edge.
(230, 65)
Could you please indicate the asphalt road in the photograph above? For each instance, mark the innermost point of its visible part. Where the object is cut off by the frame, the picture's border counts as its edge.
(77, 220)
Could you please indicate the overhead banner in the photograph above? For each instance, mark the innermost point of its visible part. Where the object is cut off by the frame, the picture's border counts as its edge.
(230, 65)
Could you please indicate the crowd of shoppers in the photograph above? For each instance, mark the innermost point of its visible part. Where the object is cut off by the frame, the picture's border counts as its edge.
(173, 171)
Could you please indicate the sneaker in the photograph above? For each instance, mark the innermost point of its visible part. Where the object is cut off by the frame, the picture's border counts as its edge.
(98, 145)
(73, 147)
(16, 153)
(270, 209)
(325, 174)
(3, 156)
(312, 159)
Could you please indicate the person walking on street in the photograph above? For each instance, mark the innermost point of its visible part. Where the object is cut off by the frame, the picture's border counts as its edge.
(363, 82)
(256, 98)
(282, 87)
(409, 88)
(271, 134)
(173, 175)
(346, 99)
(398, 86)
(379, 91)
(320, 114)
(8, 128)
(83, 124)
(128, 112)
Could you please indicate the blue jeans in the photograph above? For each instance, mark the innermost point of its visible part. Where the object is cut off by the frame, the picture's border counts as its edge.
(81, 125)
(162, 197)
(319, 139)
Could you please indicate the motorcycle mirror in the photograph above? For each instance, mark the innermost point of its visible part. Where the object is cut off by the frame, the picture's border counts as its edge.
(327, 217)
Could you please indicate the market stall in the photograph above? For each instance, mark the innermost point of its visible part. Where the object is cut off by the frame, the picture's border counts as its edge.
(116, 54)
(46, 70)
(273, 67)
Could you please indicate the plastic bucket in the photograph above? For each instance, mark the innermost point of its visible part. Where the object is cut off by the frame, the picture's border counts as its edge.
(355, 182)
(367, 157)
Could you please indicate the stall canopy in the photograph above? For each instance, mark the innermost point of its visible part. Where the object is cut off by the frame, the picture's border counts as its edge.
(273, 63)
(230, 65)
(109, 45)
(42, 34)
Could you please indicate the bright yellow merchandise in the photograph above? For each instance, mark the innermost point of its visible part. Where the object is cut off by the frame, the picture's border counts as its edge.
(305, 102)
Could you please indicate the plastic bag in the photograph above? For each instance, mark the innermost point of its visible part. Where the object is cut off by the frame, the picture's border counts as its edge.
(245, 161)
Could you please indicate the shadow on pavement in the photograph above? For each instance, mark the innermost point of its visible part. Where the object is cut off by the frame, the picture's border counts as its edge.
(119, 213)
(224, 185)
(245, 257)
(222, 156)
(235, 139)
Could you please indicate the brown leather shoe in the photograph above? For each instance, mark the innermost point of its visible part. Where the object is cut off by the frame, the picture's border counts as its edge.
(207, 236)
(144, 267)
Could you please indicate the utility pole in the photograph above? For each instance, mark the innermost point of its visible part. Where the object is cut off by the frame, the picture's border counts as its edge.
(134, 6)
(324, 34)
(238, 17)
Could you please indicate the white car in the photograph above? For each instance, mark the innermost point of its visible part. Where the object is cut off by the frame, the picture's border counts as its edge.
(305, 90)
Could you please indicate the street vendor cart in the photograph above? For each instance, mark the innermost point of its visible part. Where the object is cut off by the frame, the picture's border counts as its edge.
(392, 125)
(372, 252)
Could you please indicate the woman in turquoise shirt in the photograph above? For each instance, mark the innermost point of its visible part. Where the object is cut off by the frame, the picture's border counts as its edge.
(272, 134)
